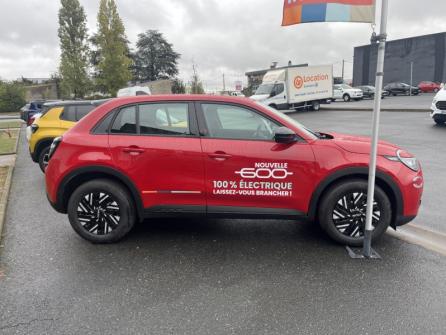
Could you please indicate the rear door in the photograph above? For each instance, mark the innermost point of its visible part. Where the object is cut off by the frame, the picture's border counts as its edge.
(246, 170)
(158, 147)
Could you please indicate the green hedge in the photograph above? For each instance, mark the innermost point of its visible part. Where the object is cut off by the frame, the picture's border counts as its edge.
(12, 97)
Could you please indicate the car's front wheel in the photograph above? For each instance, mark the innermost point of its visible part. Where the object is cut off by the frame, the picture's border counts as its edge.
(101, 211)
(342, 212)
(439, 121)
(346, 98)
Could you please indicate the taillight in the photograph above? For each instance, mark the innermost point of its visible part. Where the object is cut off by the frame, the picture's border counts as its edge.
(54, 146)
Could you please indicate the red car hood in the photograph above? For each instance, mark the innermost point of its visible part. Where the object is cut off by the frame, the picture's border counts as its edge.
(361, 145)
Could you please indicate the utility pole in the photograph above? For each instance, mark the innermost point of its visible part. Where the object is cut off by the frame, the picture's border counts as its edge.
(411, 78)
(343, 67)
(368, 252)
(224, 83)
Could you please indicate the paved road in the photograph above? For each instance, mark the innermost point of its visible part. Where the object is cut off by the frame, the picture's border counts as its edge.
(206, 277)
(413, 131)
(422, 101)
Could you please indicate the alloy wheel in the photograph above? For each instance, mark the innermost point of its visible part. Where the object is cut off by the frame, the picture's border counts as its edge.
(98, 213)
(349, 214)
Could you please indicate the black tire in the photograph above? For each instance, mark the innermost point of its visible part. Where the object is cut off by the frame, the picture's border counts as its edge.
(98, 219)
(439, 121)
(394, 94)
(346, 97)
(43, 158)
(316, 106)
(342, 212)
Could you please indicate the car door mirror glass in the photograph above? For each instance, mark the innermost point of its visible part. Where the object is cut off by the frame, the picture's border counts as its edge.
(284, 135)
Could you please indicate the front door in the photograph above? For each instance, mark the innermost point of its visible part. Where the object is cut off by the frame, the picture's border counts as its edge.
(245, 168)
(157, 145)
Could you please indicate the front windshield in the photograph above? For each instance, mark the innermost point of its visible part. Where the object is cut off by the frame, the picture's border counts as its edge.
(264, 89)
(286, 118)
(346, 87)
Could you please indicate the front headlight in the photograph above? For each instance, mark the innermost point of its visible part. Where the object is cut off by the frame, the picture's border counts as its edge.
(411, 162)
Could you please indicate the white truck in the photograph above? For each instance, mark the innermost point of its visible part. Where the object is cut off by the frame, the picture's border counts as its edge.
(296, 87)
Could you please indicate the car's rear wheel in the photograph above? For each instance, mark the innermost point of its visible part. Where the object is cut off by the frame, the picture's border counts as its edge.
(43, 158)
(346, 98)
(342, 212)
(101, 211)
(316, 105)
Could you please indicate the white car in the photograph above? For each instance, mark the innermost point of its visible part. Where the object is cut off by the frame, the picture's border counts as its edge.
(134, 90)
(439, 107)
(346, 93)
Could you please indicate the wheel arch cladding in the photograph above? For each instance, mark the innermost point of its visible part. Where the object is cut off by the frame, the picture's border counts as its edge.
(383, 180)
(83, 175)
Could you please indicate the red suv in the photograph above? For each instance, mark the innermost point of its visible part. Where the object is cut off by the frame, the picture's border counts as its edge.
(184, 155)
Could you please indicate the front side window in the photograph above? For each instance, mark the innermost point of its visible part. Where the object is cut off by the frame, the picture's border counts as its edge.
(125, 121)
(233, 122)
(164, 119)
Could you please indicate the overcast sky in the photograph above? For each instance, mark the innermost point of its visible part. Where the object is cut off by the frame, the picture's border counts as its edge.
(219, 36)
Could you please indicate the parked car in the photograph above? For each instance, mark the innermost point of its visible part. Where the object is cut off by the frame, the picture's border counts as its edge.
(133, 91)
(346, 93)
(429, 87)
(401, 89)
(56, 118)
(438, 107)
(183, 155)
(369, 92)
(27, 111)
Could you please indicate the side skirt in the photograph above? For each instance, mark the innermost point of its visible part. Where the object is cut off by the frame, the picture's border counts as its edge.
(222, 212)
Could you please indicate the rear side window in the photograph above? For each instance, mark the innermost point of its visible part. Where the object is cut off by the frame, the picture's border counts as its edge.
(164, 119)
(69, 113)
(125, 121)
(83, 110)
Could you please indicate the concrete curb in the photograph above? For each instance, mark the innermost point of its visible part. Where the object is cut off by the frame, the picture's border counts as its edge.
(4, 198)
(426, 238)
(359, 109)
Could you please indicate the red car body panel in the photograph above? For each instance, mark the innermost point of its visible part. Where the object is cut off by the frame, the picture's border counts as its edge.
(429, 87)
(190, 171)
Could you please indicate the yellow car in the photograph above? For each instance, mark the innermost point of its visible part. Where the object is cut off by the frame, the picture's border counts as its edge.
(56, 118)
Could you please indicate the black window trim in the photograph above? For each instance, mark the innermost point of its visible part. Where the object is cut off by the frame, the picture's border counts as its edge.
(193, 125)
(203, 127)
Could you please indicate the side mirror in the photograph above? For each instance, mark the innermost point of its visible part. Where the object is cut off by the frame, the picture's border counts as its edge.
(285, 135)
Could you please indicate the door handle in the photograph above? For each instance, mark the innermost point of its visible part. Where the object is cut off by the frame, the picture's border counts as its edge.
(220, 156)
(133, 150)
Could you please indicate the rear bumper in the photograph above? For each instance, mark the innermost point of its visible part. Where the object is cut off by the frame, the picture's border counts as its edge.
(57, 207)
(402, 220)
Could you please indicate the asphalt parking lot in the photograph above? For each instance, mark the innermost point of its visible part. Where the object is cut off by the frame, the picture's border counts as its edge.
(400, 102)
(222, 276)
(413, 131)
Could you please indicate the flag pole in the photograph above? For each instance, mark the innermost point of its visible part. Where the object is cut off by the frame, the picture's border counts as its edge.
(381, 38)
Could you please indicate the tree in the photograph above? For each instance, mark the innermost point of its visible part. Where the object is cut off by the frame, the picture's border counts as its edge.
(196, 86)
(154, 57)
(74, 49)
(113, 69)
(178, 86)
(12, 96)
